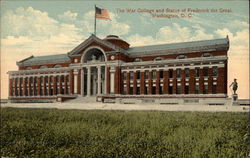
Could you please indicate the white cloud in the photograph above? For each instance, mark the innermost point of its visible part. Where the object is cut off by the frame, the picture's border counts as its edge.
(68, 16)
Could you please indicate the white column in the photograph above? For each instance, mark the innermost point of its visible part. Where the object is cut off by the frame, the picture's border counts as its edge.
(82, 82)
(105, 80)
(88, 81)
(99, 79)
(112, 80)
(75, 81)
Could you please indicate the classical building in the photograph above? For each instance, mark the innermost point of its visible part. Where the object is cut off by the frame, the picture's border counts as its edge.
(112, 70)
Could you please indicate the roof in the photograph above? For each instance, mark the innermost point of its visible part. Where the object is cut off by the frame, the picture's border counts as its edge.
(51, 59)
(184, 47)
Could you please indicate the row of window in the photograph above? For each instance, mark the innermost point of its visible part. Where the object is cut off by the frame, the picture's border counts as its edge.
(44, 67)
(42, 79)
(170, 90)
(170, 73)
(34, 91)
(178, 57)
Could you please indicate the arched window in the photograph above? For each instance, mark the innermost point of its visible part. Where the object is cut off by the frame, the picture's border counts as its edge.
(137, 60)
(57, 66)
(43, 67)
(181, 57)
(158, 58)
(207, 55)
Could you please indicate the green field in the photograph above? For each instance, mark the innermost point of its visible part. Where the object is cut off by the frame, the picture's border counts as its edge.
(79, 133)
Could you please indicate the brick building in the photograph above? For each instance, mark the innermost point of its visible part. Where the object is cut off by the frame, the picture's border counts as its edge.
(111, 69)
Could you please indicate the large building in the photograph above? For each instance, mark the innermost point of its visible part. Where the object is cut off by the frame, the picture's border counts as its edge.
(112, 70)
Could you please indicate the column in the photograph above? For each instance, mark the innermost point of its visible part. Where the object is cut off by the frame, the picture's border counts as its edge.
(29, 86)
(44, 86)
(201, 81)
(128, 82)
(99, 79)
(210, 80)
(174, 81)
(105, 80)
(88, 81)
(39, 86)
(75, 81)
(183, 77)
(221, 82)
(20, 86)
(82, 82)
(165, 82)
(49, 86)
(112, 80)
(60, 84)
(10, 86)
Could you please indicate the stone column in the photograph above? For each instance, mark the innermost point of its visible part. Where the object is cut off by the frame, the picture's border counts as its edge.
(150, 82)
(99, 79)
(82, 82)
(75, 81)
(88, 81)
(112, 80)
(54, 85)
(65, 84)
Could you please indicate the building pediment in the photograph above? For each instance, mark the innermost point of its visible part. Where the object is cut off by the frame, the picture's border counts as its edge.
(93, 41)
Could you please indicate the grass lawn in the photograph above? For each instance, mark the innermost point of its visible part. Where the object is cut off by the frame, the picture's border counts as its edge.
(80, 133)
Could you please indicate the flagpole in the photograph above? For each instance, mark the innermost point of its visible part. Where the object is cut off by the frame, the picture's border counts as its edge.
(95, 22)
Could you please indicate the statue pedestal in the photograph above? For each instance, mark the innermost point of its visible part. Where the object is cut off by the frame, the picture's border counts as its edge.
(235, 99)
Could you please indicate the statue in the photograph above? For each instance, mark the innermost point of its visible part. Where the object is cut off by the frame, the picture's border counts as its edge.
(93, 57)
(235, 86)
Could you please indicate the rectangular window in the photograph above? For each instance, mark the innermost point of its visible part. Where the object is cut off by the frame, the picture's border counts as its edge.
(197, 72)
(154, 74)
(146, 74)
(178, 73)
(161, 90)
(170, 73)
(124, 75)
(205, 89)
(131, 75)
(215, 71)
(197, 89)
(138, 76)
(131, 90)
(178, 90)
(214, 87)
(161, 73)
(205, 71)
(153, 89)
(170, 89)
(186, 89)
(138, 90)
(146, 90)
(187, 72)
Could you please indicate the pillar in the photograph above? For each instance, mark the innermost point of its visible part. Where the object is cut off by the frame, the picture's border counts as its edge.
(192, 81)
(157, 82)
(82, 82)
(134, 83)
(88, 81)
(142, 83)
(75, 81)
(165, 82)
(99, 80)
(150, 82)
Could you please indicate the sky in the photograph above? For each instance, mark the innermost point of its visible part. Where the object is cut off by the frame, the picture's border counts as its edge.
(56, 27)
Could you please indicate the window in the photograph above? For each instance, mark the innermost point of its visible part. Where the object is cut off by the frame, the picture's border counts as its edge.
(46, 79)
(57, 66)
(62, 78)
(161, 89)
(178, 90)
(187, 72)
(186, 89)
(206, 89)
(131, 74)
(158, 59)
(161, 73)
(181, 57)
(154, 74)
(197, 89)
(131, 90)
(146, 74)
(205, 71)
(153, 89)
(170, 73)
(178, 73)
(124, 75)
(138, 75)
(170, 89)
(207, 55)
(197, 72)
(137, 60)
(51, 79)
(215, 71)
(146, 90)
(137, 90)
(214, 87)
(43, 67)
(41, 80)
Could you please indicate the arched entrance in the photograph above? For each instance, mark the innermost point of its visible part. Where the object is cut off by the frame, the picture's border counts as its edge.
(93, 72)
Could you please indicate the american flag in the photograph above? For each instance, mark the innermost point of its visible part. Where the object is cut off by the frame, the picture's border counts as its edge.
(101, 13)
